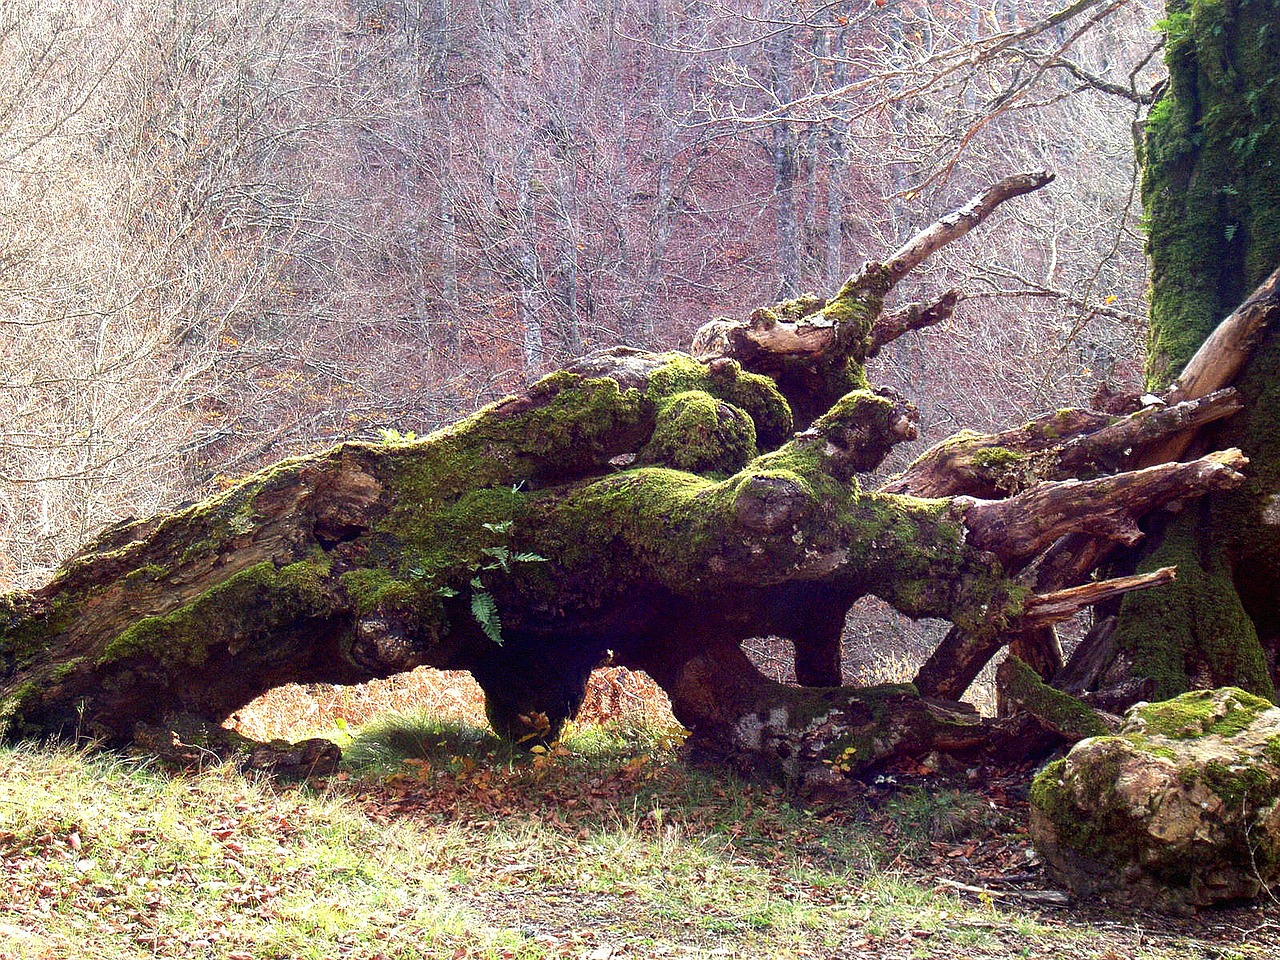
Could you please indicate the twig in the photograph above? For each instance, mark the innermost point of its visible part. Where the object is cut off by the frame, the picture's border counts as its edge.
(1053, 898)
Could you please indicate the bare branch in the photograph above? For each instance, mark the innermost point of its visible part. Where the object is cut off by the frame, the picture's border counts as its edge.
(1225, 352)
(914, 316)
(1024, 525)
(1062, 605)
(1092, 80)
(1056, 446)
(882, 277)
(1221, 357)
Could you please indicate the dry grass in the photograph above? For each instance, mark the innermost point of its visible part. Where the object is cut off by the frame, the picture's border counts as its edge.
(298, 710)
(880, 646)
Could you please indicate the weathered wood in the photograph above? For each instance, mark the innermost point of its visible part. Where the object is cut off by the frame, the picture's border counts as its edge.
(812, 334)
(950, 228)
(1056, 446)
(994, 466)
(954, 664)
(1069, 718)
(1221, 357)
(1077, 522)
(897, 323)
(1062, 605)
(1130, 441)
(662, 508)
(1028, 523)
(812, 329)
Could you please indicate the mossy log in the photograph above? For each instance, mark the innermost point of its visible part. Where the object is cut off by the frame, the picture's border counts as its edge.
(656, 509)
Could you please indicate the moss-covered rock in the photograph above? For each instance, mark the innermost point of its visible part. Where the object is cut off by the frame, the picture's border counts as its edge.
(1180, 809)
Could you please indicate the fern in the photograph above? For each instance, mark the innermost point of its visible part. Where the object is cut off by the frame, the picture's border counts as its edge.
(485, 610)
(498, 556)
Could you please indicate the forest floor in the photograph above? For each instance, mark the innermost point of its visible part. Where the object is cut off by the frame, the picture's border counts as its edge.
(437, 841)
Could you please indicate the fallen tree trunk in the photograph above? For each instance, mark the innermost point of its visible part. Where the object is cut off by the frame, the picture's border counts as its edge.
(660, 509)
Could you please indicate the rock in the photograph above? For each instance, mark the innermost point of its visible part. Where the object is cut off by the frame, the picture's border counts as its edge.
(190, 743)
(316, 757)
(1179, 810)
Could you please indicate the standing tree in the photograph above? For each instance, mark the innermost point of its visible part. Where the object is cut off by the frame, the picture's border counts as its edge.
(1211, 190)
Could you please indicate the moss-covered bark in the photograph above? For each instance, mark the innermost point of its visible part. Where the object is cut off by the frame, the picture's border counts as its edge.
(1211, 190)
(517, 544)
(1210, 186)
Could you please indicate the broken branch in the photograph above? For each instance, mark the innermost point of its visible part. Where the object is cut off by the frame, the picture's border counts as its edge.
(938, 234)
(1062, 605)
(1022, 526)
(914, 316)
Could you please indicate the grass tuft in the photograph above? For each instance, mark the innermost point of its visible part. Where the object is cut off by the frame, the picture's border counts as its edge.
(384, 745)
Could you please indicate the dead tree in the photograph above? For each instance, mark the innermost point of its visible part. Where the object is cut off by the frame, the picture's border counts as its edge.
(657, 508)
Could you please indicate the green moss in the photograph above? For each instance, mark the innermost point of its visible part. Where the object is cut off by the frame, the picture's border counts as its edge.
(853, 310)
(1103, 836)
(802, 306)
(1196, 714)
(422, 547)
(1272, 750)
(63, 670)
(371, 589)
(25, 627)
(696, 432)
(1194, 626)
(764, 318)
(1241, 785)
(1057, 710)
(994, 458)
(17, 636)
(1046, 787)
(760, 398)
(757, 395)
(150, 572)
(656, 520)
(870, 737)
(781, 512)
(571, 426)
(13, 705)
(242, 609)
(1211, 158)
(679, 374)
(997, 603)
(448, 485)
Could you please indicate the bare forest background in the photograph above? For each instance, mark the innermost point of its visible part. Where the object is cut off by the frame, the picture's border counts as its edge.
(235, 233)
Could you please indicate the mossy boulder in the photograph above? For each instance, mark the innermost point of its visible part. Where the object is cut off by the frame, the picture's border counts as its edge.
(1179, 810)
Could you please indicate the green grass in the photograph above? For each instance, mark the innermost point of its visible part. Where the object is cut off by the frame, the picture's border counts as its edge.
(438, 842)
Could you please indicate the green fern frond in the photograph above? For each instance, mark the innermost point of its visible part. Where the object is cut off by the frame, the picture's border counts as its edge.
(485, 610)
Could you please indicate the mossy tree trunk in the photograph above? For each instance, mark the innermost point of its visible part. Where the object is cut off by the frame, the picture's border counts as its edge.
(657, 508)
(1211, 190)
